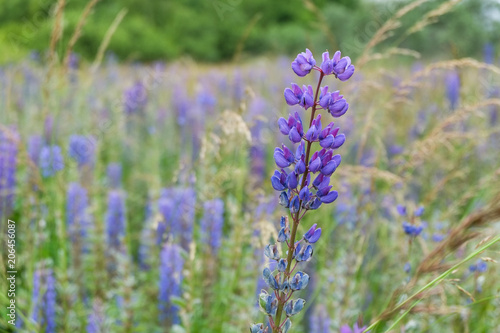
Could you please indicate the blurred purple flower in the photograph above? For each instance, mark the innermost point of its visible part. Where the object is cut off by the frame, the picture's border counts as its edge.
(51, 160)
(8, 166)
(453, 89)
(77, 220)
(212, 223)
(82, 149)
(319, 321)
(171, 264)
(44, 299)
(35, 143)
(115, 219)
(114, 173)
(135, 98)
(355, 329)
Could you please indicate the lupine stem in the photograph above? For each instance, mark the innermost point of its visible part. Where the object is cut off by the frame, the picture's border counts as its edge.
(296, 220)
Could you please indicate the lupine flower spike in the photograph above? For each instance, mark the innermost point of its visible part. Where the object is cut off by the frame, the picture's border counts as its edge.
(303, 180)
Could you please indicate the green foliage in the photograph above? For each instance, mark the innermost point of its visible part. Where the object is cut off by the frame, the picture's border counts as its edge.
(211, 30)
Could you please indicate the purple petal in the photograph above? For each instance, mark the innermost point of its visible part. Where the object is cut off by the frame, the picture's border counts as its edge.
(330, 197)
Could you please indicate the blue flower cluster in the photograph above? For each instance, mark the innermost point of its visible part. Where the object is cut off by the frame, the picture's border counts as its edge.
(298, 191)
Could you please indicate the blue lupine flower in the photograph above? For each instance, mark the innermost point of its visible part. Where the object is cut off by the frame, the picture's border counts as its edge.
(44, 299)
(419, 211)
(453, 89)
(114, 173)
(292, 307)
(271, 251)
(437, 237)
(401, 210)
(313, 234)
(268, 303)
(303, 252)
(212, 223)
(8, 161)
(77, 220)
(115, 219)
(293, 180)
(407, 268)
(135, 98)
(304, 63)
(51, 160)
(480, 266)
(82, 149)
(412, 230)
(171, 265)
(299, 281)
(270, 279)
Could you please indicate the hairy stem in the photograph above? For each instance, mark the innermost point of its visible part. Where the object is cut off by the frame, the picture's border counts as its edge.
(296, 220)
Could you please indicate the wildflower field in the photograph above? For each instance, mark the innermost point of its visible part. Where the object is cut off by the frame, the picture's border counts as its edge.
(172, 196)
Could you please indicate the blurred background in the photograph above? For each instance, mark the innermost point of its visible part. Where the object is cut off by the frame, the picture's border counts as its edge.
(136, 150)
(220, 30)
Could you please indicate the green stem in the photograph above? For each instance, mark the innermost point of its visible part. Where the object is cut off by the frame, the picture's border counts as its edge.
(296, 219)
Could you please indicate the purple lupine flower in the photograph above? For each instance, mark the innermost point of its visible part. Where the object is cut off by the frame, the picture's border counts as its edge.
(8, 161)
(320, 322)
(35, 143)
(77, 219)
(51, 160)
(206, 101)
(355, 329)
(304, 63)
(340, 67)
(82, 149)
(135, 98)
(453, 89)
(212, 223)
(115, 219)
(333, 102)
(177, 206)
(299, 193)
(303, 97)
(44, 299)
(114, 173)
(171, 264)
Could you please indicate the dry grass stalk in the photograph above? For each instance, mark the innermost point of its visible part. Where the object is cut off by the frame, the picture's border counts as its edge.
(432, 16)
(55, 36)
(358, 172)
(78, 30)
(395, 51)
(458, 236)
(441, 136)
(107, 38)
(322, 22)
(414, 80)
(385, 31)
